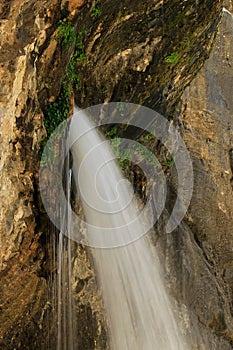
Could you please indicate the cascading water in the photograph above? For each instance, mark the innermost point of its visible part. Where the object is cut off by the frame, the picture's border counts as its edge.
(137, 306)
(65, 306)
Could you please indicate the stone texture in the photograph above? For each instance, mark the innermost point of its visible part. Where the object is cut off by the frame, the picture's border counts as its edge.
(199, 254)
(208, 131)
(25, 28)
(127, 47)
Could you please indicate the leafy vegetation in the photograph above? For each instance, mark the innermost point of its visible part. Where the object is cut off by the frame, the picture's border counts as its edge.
(173, 58)
(170, 162)
(79, 53)
(149, 136)
(96, 10)
(147, 154)
(55, 114)
(120, 106)
(124, 155)
(121, 154)
(58, 110)
(66, 33)
(72, 78)
(111, 132)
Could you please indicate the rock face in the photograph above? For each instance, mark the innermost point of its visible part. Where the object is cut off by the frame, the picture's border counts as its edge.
(23, 292)
(207, 128)
(144, 53)
(199, 254)
(208, 131)
(25, 29)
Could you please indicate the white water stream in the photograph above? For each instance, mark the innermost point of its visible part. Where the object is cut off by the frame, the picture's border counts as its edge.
(138, 309)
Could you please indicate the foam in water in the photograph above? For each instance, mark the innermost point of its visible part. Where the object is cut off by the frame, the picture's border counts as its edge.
(138, 309)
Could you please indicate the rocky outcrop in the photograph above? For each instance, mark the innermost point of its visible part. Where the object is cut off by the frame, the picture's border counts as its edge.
(199, 253)
(144, 53)
(207, 128)
(25, 29)
(207, 121)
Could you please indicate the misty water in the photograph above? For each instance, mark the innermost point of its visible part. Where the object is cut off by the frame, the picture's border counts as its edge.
(139, 312)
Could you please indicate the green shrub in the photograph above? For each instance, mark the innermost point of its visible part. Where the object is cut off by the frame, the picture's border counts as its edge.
(79, 53)
(170, 162)
(66, 33)
(111, 132)
(147, 154)
(96, 10)
(58, 110)
(173, 58)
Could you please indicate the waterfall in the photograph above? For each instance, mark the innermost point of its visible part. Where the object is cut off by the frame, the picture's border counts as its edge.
(138, 308)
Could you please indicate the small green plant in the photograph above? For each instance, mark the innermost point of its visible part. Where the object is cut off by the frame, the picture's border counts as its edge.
(121, 154)
(72, 78)
(49, 154)
(104, 90)
(115, 144)
(112, 132)
(147, 154)
(170, 162)
(124, 155)
(79, 53)
(120, 106)
(58, 110)
(123, 161)
(78, 83)
(71, 75)
(173, 58)
(55, 114)
(96, 10)
(66, 33)
(149, 136)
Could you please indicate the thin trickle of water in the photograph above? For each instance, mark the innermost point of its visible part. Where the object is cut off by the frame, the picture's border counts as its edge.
(65, 307)
(137, 306)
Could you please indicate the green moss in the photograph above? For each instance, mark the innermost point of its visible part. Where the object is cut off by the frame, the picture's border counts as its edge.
(96, 10)
(173, 58)
(170, 162)
(147, 154)
(149, 136)
(124, 155)
(58, 110)
(66, 33)
(79, 53)
(112, 132)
